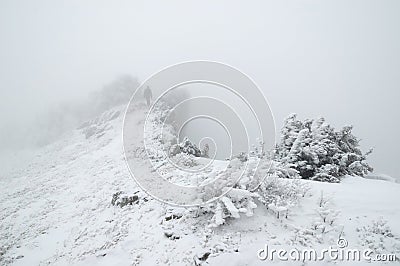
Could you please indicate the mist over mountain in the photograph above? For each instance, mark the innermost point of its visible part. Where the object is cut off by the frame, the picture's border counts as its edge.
(59, 118)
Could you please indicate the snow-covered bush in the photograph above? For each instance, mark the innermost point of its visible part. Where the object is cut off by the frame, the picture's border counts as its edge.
(305, 237)
(233, 203)
(186, 146)
(379, 237)
(318, 152)
(326, 215)
(184, 160)
(283, 171)
(279, 184)
(236, 197)
(281, 195)
(159, 136)
(324, 222)
(121, 199)
(260, 180)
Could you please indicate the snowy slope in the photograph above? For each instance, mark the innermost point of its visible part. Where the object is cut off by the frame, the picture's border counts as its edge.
(57, 210)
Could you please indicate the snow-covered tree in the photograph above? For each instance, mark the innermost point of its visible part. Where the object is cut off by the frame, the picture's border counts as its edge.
(318, 152)
(291, 128)
(186, 146)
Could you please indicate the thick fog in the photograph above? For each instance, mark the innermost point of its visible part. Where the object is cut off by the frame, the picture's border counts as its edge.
(338, 59)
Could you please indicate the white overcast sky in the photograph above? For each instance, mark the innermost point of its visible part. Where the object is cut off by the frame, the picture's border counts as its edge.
(339, 59)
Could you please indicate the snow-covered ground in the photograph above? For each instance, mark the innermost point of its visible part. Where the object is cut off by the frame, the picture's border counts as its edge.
(57, 210)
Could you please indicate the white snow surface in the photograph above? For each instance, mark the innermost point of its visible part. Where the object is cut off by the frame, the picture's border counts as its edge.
(57, 210)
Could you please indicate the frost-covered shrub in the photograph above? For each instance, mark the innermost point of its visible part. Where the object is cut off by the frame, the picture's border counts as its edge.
(184, 160)
(186, 146)
(318, 152)
(260, 180)
(236, 199)
(233, 203)
(327, 216)
(283, 171)
(305, 237)
(379, 227)
(281, 195)
(379, 237)
(121, 199)
(327, 173)
(324, 223)
(159, 137)
(276, 191)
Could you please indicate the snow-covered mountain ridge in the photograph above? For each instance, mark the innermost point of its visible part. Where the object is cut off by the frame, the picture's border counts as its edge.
(58, 211)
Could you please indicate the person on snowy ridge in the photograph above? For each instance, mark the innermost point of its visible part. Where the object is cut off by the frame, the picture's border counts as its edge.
(148, 95)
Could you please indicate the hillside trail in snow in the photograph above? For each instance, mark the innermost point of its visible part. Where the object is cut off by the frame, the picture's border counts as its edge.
(57, 209)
